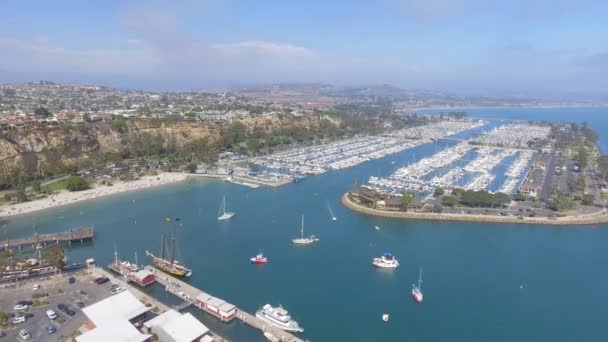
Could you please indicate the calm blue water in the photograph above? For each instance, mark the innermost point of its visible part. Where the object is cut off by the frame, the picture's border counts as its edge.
(472, 272)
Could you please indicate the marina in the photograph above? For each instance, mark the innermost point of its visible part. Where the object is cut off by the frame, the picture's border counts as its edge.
(514, 135)
(438, 130)
(219, 308)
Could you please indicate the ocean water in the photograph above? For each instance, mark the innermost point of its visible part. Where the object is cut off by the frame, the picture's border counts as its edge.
(482, 282)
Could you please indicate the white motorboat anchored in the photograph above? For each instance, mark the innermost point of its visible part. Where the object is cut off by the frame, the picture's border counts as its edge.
(386, 261)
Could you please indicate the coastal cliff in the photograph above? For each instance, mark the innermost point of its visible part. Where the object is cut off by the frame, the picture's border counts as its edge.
(42, 151)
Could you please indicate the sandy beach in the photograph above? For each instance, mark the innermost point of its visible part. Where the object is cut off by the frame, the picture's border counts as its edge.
(66, 197)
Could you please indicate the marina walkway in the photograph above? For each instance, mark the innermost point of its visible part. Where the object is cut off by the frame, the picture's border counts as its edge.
(72, 235)
(189, 293)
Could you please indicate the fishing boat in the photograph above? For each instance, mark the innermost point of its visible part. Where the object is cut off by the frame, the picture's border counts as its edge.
(417, 289)
(278, 317)
(304, 240)
(259, 259)
(386, 261)
(170, 265)
(222, 213)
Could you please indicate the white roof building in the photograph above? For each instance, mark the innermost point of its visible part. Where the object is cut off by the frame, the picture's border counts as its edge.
(117, 331)
(123, 306)
(112, 317)
(172, 326)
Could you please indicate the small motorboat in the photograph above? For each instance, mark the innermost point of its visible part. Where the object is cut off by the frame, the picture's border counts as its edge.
(259, 259)
(385, 317)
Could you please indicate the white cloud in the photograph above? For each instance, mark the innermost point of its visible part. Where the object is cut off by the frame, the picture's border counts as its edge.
(264, 47)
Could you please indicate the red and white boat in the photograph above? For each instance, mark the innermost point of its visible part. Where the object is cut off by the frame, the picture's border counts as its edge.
(417, 290)
(259, 259)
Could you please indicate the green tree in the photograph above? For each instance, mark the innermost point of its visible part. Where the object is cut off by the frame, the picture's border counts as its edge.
(20, 194)
(191, 167)
(438, 208)
(406, 200)
(54, 256)
(36, 185)
(588, 199)
(519, 197)
(42, 111)
(76, 183)
(560, 202)
(438, 191)
(457, 192)
(449, 201)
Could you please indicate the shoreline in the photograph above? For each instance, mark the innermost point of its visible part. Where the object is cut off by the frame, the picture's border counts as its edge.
(66, 197)
(558, 221)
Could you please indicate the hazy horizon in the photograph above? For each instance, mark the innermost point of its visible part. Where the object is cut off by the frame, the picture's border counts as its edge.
(546, 49)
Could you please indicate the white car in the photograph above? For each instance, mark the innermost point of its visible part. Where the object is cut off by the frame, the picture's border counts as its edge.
(117, 290)
(19, 307)
(51, 314)
(24, 335)
(19, 319)
(36, 287)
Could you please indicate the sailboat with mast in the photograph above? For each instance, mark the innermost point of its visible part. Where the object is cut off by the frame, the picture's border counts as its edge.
(167, 262)
(417, 290)
(304, 240)
(222, 213)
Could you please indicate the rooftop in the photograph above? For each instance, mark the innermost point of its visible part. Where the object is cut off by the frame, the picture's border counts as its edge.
(117, 331)
(123, 306)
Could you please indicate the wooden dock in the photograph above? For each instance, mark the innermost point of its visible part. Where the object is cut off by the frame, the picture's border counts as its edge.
(189, 293)
(42, 240)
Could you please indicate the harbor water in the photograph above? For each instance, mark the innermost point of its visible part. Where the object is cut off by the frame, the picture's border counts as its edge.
(493, 282)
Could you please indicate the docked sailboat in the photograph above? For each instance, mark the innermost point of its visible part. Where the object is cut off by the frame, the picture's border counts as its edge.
(169, 265)
(304, 240)
(386, 261)
(417, 290)
(278, 317)
(222, 213)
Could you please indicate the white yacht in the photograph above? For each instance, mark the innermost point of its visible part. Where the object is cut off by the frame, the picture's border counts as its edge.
(278, 317)
(386, 261)
(223, 214)
(304, 240)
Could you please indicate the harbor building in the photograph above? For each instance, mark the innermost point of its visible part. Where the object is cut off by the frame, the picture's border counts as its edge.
(172, 326)
(115, 319)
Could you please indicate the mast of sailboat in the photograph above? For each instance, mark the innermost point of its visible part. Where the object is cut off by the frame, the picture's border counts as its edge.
(162, 245)
(115, 255)
(136, 258)
(224, 205)
(302, 230)
(173, 245)
(420, 280)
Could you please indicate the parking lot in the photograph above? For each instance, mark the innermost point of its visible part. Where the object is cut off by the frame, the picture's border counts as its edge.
(81, 293)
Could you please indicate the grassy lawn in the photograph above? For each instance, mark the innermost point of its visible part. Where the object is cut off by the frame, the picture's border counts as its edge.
(55, 186)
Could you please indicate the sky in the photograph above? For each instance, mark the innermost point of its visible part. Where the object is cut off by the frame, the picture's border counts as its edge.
(513, 47)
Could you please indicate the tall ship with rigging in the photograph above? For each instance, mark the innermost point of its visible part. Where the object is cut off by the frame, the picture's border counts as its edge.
(166, 261)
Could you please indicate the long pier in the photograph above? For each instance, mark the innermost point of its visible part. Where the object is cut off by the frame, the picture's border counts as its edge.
(189, 293)
(69, 236)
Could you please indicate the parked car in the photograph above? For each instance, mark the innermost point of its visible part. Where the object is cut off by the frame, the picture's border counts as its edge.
(36, 287)
(62, 307)
(51, 329)
(70, 312)
(2, 334)
(28, 315)
(19, 319)
(25, 302)
(20, 307)
(71, 280)
(51, 314)
(80, 304)
(103, 281)
(24, 335)
(117, 290)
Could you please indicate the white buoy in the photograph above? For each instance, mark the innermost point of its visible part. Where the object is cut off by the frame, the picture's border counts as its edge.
(385, 317)
(377, 228)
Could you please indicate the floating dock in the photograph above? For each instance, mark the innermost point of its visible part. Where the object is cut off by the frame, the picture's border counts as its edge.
(216, 306)
(42, 240)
